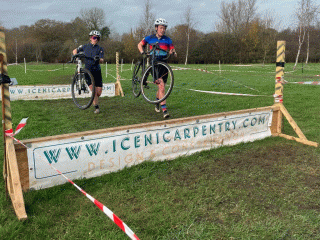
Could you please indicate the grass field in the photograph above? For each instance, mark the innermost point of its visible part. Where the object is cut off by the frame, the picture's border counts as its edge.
(267, 189)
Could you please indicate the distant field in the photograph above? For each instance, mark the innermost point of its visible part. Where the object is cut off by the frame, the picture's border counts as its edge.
(268, 189)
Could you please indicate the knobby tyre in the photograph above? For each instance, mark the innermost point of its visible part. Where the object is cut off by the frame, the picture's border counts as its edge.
(81, 93)
(149, 89)
(136, 79)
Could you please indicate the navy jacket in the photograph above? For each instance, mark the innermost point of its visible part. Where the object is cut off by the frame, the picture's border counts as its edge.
(91, 50)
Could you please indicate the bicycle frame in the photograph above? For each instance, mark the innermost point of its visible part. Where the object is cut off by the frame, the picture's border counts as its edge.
(150, 76)
(153, 60)
(79, 67)
(82, 93)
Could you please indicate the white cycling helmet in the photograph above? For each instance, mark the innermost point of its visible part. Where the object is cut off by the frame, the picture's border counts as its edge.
(95, 32)
(161, 21)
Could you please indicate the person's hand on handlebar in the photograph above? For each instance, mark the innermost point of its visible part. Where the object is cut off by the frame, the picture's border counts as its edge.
(173, 51)
(97, 58)
(144, 55)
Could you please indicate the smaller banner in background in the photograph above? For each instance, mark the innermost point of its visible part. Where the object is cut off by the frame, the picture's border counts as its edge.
(47, 92)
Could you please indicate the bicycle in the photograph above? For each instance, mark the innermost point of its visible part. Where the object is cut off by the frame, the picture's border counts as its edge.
(83, 85)
(145, 79)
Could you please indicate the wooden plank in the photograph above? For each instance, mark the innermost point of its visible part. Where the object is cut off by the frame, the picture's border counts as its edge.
(292, 122)
(22, 160)
(116, 89)
(304, 141)
(8, 179)
(125, 128)
(16, 194)
(120, 88)
(276, 125)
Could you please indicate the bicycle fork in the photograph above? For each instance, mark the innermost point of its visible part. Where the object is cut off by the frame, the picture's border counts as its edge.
(80, 82)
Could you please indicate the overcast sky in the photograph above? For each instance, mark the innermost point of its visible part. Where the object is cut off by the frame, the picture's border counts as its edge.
(125, 15)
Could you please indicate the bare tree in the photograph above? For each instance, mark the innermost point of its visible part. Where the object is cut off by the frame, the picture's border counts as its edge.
(311, 16)
(267, 33)
(15, 33)
(190, 24)
(236, 15)
(306, 14)
(94, 18)
(146, 25)
(235, 19)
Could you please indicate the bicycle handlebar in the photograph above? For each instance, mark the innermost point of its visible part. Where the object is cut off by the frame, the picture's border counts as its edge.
(155, 46)
(82, 55)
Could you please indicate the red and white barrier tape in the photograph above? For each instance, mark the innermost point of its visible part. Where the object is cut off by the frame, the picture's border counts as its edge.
(103, 208)
(306, 83)
(225, 93)
(203, 70)
(217, 70)
(21, 125)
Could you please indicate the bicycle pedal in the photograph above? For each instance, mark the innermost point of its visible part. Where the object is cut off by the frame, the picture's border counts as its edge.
(146, 86)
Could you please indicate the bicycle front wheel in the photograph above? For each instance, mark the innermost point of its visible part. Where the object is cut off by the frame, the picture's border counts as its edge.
(157, 82)
(83, 89)
(136, 79)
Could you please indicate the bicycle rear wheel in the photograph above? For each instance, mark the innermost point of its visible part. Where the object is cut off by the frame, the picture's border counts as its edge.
(150, 86)
(136, 79)
(82, 94)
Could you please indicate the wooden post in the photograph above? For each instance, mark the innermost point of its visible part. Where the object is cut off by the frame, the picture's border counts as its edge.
(118, 89)
(278, 95)
(25, 65)
(10, 171)
(276, 129)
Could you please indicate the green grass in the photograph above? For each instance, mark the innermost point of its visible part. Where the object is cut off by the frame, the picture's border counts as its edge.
(267, 189)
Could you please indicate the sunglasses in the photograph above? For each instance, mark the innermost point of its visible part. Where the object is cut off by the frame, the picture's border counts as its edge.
(94, 38)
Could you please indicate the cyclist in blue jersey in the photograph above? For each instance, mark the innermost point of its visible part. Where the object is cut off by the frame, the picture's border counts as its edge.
(165, 43)
(96, 52)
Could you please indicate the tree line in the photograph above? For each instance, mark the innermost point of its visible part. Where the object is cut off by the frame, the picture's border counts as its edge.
(241, 36)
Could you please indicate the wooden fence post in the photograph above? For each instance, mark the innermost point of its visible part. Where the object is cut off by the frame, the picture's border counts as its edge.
(118, 90)
(11, 170)
(278, 95)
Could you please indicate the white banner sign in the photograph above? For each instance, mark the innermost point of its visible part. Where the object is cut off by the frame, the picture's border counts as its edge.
(41, 92)
(95, 155)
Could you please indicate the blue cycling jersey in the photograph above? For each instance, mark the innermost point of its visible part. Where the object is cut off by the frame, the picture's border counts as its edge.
(165, 44)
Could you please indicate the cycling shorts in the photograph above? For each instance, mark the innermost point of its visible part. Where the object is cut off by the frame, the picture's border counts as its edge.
(161, 72)
(97, 78)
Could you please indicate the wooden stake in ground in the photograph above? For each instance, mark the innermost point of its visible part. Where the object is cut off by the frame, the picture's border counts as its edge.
(278, 95)
(118, 84)
(10, 171)
(276, 128)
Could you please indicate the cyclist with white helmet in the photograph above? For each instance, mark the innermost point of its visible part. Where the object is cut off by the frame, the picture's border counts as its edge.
(96, 52)
(165, 43)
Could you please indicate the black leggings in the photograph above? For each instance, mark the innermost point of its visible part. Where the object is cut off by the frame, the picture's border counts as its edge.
(97, 78)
